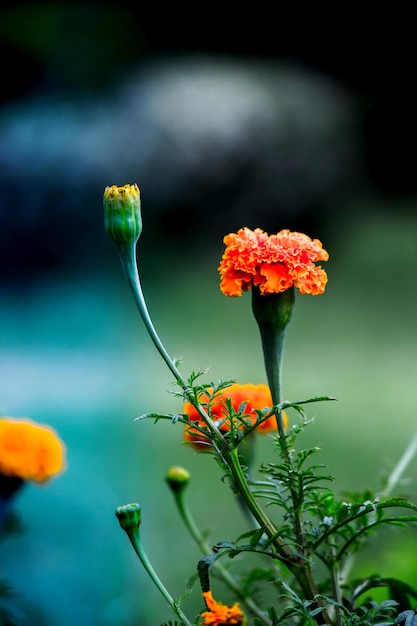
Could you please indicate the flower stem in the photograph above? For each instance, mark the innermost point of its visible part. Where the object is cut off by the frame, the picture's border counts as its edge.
(273, 342)
(272, 313)
(228, 579)
(128, 259)
(299, 568)
(392, 482)
(134, 536)
(400, 467)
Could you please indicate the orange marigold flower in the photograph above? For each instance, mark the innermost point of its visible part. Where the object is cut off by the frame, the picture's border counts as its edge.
(30, 451)
(273, 263)
(220, 614)
(255, 397)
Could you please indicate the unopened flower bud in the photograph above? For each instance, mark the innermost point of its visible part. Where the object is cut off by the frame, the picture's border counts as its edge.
(122, 215)
(177, 478)
(129, 516)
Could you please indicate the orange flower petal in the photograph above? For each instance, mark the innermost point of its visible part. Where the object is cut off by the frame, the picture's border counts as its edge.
(273, 263)
(30, 451)
(256, 397)
(220, 614)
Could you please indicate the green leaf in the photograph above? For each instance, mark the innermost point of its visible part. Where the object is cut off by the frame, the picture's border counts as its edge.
(287, 404)
(256, 537)
(172, 417)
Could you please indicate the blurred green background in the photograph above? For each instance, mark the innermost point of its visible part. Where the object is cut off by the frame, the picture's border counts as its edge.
(220, 130)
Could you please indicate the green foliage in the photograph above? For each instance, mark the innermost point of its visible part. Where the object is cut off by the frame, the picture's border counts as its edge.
(301, 531)
(316, 526)
(407, 618)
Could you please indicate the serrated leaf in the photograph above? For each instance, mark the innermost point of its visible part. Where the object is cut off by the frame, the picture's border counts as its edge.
(172, 417)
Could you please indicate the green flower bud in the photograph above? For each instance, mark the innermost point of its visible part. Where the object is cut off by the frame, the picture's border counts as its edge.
(122, 215)
(177, 478)
(129, 516)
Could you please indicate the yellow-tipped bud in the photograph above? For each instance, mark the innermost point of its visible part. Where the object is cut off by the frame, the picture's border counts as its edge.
(122, 215)
(129, 515)
(177, 478)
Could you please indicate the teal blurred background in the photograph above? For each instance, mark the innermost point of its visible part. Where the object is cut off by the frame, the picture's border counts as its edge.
(218, 133)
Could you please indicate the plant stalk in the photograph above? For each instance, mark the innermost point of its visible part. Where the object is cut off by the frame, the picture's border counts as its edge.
(134, 536)
(128, 259)
(272, 313)
(228, 579)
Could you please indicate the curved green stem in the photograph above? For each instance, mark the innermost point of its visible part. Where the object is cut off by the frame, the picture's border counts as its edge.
(257, 512)
(400, 467)
(205, 549)
(299, 568)
(128, 259)
(134, 536)
(337, 592)
(393, 480)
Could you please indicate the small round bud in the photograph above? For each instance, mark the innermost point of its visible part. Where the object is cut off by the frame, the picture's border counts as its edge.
(177, 478)
(129, 515)
(122, 215)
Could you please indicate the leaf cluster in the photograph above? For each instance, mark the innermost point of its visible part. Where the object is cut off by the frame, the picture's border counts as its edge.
(311, 520)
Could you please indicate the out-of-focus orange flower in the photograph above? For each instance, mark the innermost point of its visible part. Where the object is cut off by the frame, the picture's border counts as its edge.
(255, 397)
(30, 451)
(220, 614)
(273, 263)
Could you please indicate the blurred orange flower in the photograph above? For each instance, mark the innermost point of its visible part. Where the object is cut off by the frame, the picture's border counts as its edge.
(273, 263)
(255, 397)
(30, 451)
(220, 614)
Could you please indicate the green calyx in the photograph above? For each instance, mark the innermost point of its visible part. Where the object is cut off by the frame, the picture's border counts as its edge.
(273, 310)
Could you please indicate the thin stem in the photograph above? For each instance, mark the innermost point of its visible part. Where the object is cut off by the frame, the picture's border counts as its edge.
(400, 468)
(300, 571)
(134, 536)
(392, 482)
(262, 519)
(272, 313)
(337, 595)
(128, 259)
(205, 549)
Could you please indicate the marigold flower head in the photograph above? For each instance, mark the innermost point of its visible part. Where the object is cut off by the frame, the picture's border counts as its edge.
(30, 451)
(272, 263)
(254, 397)
(220, 614)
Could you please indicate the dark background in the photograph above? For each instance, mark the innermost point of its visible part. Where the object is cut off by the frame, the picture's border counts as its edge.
(83, 47)
(81, 53)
